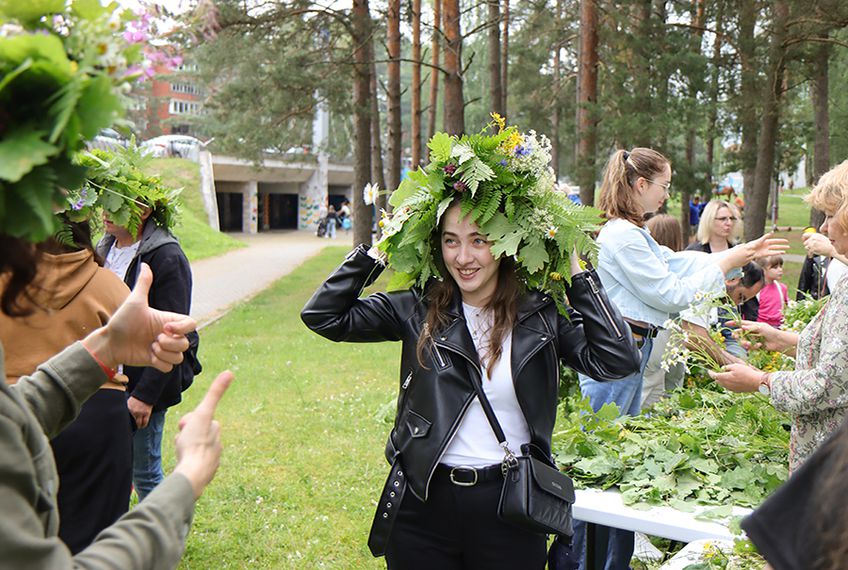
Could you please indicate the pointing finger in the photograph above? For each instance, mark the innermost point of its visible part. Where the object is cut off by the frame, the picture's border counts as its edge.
(214, 394)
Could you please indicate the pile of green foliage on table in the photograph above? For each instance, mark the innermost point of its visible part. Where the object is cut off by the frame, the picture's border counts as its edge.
(701, 445)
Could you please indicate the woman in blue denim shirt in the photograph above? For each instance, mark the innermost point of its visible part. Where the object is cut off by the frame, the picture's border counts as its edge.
(648, 283)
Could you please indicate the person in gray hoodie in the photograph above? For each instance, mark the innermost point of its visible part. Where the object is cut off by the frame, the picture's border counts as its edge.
(151, 392)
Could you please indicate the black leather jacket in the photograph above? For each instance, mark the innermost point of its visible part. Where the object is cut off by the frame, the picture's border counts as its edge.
(433, 398)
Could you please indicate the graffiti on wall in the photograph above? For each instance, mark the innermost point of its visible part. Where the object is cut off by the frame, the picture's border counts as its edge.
(309, 210)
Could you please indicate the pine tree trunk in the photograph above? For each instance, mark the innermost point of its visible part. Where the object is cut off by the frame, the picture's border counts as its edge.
(361, 30)
(662, 78)
(415, 135)
(394, 149)
(557, 110)
(756, 202)
(435, 45)
(748, 93)
(644, 77)
(691, 134)
(494, 45)
(505, 57)
(377, 175)
(712, 122)
(821, 120)
(587, 96)
(454, 102)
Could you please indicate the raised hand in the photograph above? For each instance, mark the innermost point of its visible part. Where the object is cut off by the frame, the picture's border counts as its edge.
(138, 335)
(818, 244)
(765, 246)
(749, 251)
(198, 445)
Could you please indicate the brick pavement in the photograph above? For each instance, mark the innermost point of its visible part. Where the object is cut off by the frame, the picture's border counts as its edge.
(221, 282)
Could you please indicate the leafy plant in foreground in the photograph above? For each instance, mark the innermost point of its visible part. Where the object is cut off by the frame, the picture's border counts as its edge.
(704, 446)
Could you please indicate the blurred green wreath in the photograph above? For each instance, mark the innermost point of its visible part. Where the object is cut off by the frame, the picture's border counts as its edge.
(64, 68)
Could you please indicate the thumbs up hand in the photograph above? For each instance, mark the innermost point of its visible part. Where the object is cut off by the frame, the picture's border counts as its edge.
(137, 335)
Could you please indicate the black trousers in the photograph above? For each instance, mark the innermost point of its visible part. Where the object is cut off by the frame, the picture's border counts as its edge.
(458, 529)
(94, 460)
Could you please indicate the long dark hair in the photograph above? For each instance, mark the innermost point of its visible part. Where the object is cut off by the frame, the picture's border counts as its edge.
(440, 295)
(18, 263)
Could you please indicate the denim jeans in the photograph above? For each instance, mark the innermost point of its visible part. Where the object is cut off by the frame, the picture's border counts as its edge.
(627, 394)
(147, 455)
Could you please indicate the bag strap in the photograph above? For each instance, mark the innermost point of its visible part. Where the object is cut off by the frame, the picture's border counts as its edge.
(509, 457)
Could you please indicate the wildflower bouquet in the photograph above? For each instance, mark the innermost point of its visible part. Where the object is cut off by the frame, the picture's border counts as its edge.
(798, 314)
(116, 186)
(689, 348)
(506, 186)
(64, 67)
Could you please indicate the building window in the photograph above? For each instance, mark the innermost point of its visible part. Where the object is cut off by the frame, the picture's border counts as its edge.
(188, 88)
(178, 107)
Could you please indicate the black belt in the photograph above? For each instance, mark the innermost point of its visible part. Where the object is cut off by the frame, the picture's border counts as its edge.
(645, 332)
(387, 509)
(467, 476)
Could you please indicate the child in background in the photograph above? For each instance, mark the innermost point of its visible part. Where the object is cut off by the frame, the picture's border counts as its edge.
(774, 294)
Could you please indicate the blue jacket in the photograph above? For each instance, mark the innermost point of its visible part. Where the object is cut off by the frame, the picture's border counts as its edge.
(649, 282)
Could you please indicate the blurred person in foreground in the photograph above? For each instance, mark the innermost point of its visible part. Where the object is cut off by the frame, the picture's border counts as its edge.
(41, 64)
(39, 406)
(72, 295)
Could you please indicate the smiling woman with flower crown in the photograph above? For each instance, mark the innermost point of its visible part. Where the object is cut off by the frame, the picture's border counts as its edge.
(489, 290)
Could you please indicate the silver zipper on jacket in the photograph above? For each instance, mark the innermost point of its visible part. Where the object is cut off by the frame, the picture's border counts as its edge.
(607, 313)
(439, 358)
(453, 429)
(406, 382)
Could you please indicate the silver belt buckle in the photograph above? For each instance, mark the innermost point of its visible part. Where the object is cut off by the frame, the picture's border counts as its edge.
(463, 483)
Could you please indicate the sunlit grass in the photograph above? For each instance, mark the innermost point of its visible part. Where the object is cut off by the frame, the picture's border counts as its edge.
(304, 447)
(197, 239)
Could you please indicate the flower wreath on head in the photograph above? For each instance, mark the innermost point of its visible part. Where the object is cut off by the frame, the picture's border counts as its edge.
(65, 71)
(505, 186)
(116, 186)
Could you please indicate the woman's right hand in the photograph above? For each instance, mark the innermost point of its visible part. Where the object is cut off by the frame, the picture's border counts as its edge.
(749, 251)
(818, 244)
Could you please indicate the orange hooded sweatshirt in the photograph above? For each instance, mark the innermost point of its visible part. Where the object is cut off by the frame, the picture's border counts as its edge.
(70, 297)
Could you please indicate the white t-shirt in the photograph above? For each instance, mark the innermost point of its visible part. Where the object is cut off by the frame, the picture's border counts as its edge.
(475, 444)
(835, 271)
(698, 316)
(119, 258)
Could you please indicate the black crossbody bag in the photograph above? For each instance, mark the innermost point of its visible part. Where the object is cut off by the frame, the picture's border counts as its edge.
(536, 496)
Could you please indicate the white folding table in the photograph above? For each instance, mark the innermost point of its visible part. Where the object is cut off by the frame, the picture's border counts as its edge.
(606, 508)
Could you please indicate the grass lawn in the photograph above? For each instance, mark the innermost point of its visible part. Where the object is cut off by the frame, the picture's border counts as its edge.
(198, 240)
(303, 461)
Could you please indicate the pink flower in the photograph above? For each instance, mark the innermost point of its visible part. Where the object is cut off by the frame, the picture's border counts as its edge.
(135, 36)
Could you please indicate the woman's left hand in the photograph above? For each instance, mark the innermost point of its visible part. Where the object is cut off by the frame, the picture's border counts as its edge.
(738, 377)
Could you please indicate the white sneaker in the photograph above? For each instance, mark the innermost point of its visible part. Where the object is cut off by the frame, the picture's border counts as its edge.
(644, 550)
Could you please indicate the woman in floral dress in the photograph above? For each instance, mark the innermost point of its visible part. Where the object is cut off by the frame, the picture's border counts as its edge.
(816, 392)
